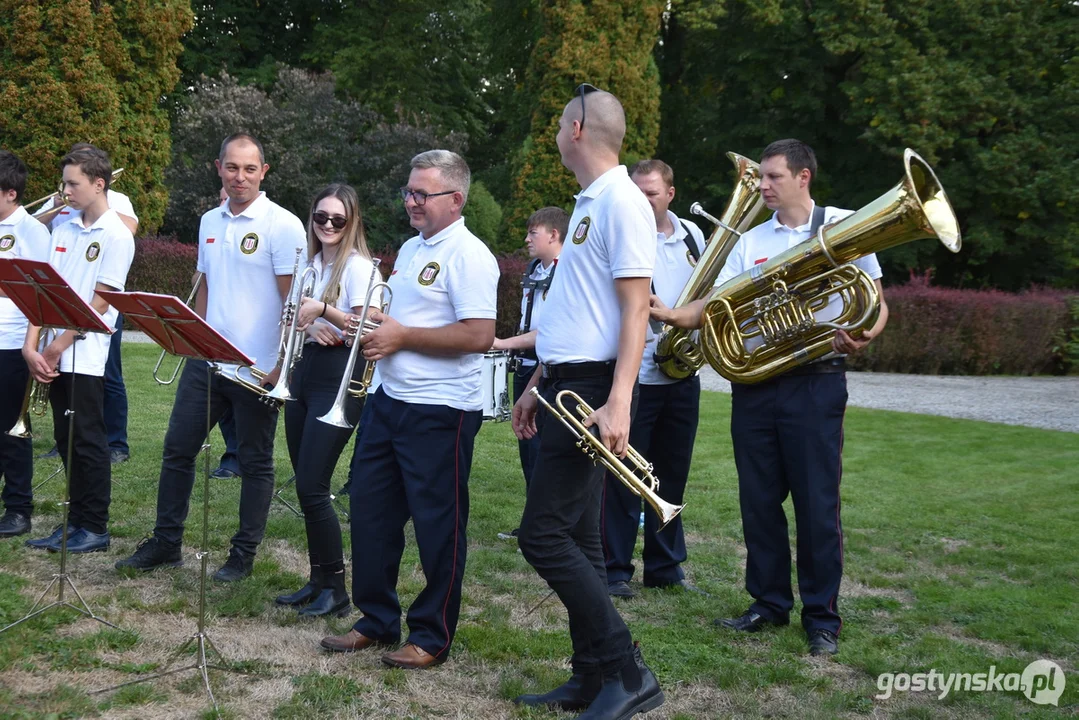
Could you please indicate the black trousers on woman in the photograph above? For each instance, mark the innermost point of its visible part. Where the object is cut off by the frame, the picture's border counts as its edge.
(315, 446)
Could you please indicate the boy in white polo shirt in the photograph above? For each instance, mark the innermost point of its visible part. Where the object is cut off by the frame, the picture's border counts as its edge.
(20, 237)
(414, 451)
(247, 251)
(590, 342)
(91, 253)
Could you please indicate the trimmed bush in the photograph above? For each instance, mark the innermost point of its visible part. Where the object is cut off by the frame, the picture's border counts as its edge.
(163, 265)
(944, 331)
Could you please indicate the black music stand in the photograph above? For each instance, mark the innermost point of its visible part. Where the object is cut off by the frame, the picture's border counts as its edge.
(47, 301)
(176, 328)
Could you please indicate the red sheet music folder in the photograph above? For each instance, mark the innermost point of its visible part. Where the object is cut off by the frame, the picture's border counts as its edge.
(175, 327)
(46, 299)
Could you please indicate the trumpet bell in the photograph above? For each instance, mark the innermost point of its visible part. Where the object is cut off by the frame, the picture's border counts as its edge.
(336, 417)
(21, 429)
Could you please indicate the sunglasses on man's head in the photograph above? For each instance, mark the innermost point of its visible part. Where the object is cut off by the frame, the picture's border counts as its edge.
(584, 89)
(321, 218)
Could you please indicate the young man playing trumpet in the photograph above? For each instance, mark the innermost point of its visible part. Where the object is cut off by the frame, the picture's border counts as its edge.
(20, 237)
(247, 252)
(788, 431)
(590, 342)
(93, 252)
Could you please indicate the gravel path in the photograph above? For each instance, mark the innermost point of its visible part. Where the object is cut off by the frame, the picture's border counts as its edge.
(1042, 402)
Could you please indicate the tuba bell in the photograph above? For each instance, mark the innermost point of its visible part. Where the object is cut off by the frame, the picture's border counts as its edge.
(777, 315)
(677, 353)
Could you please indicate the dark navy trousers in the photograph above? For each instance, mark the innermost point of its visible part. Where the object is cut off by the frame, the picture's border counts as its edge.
(663, 432)
(527, 449)
(413, 461)
(788, 440)
(116, 392)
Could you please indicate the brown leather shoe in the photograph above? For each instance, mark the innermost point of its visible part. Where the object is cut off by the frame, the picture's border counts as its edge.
(411, 657)
(350, 642)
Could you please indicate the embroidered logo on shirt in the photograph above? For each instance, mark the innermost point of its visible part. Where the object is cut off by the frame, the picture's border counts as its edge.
(429, 273)
(581, 233)
(249, 244)
(7, 242)
(760, 260)
(93, 252)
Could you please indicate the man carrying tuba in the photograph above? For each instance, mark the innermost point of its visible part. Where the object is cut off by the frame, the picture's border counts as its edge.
(787, 431)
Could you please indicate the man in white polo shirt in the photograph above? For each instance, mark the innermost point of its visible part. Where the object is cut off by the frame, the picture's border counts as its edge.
(788, 431)
(414, 451)
(91, 253)
(20, 237)
(247, 250)
(665, 425)
(590, 342)
(546, 233)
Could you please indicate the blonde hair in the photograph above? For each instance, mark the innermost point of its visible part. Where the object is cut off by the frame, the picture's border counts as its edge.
(353, 240)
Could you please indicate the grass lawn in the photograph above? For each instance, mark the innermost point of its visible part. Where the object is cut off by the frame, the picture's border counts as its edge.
(961, 542)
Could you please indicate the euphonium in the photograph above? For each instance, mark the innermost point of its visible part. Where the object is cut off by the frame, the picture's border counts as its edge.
(771, 318)
(677, 353)
(635, 472)
(358, 388)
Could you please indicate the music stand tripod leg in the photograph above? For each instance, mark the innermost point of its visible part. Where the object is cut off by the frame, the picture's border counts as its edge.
(62, 578)
(204, 647)
(277, 496)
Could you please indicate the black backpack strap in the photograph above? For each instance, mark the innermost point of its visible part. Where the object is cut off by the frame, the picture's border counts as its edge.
(533, 286)
(818, 220)
(691, 244)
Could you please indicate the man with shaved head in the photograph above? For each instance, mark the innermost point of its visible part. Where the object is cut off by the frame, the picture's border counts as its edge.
(590, 342)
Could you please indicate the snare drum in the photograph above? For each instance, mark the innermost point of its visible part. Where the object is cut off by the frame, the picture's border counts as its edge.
(495, 384)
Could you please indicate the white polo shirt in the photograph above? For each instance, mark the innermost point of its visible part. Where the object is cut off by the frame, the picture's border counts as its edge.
(101, 253)
(772, 238)
(242, 255)
(117, 201)
(674, 265)
(21, 236)
(354, 284)
(437, 281)
(612, 234)
(540, 273)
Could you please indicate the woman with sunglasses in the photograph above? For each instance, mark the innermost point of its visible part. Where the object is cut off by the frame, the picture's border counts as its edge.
(338, 250)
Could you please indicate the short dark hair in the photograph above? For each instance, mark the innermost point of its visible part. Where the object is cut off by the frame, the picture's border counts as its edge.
(242, 136)
(94, 162)
(647, 167)
(12, 174)
(799, 156)
(552, 218)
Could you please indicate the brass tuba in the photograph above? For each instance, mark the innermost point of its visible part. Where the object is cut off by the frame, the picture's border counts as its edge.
(357, 329)
(677, 353)
(775, 316)
(635, 472)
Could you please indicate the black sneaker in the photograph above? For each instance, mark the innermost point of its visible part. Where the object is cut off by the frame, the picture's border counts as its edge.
(152, 553)
(14, 524)
(237, 567)
(50, 454)
(118, 456)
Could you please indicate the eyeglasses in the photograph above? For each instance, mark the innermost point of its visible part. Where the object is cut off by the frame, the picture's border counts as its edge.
(420, 197)
(584, 89)
(321, 218)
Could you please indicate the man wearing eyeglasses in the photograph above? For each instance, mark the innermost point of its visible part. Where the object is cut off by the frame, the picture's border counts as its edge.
(590, 342)
(247, 250)
(414, 451)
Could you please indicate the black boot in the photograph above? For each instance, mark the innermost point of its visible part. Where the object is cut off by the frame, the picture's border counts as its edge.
(631, 690)
(577, 693)
(332, 598)
(305, 594)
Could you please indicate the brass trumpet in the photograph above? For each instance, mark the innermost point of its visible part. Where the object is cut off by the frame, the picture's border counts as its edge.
(35, 401)
(769, 319)
(180, 362)
(47, 216)
(635, 472)
(359, 327)
(678, 354)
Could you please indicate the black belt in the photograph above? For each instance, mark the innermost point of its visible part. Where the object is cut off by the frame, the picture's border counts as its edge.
(821, 367)
(573, 371)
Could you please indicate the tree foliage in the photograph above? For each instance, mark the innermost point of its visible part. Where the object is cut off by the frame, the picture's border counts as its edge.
(986, 92)
(604, 42)
(311, 138)
(75, 71)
